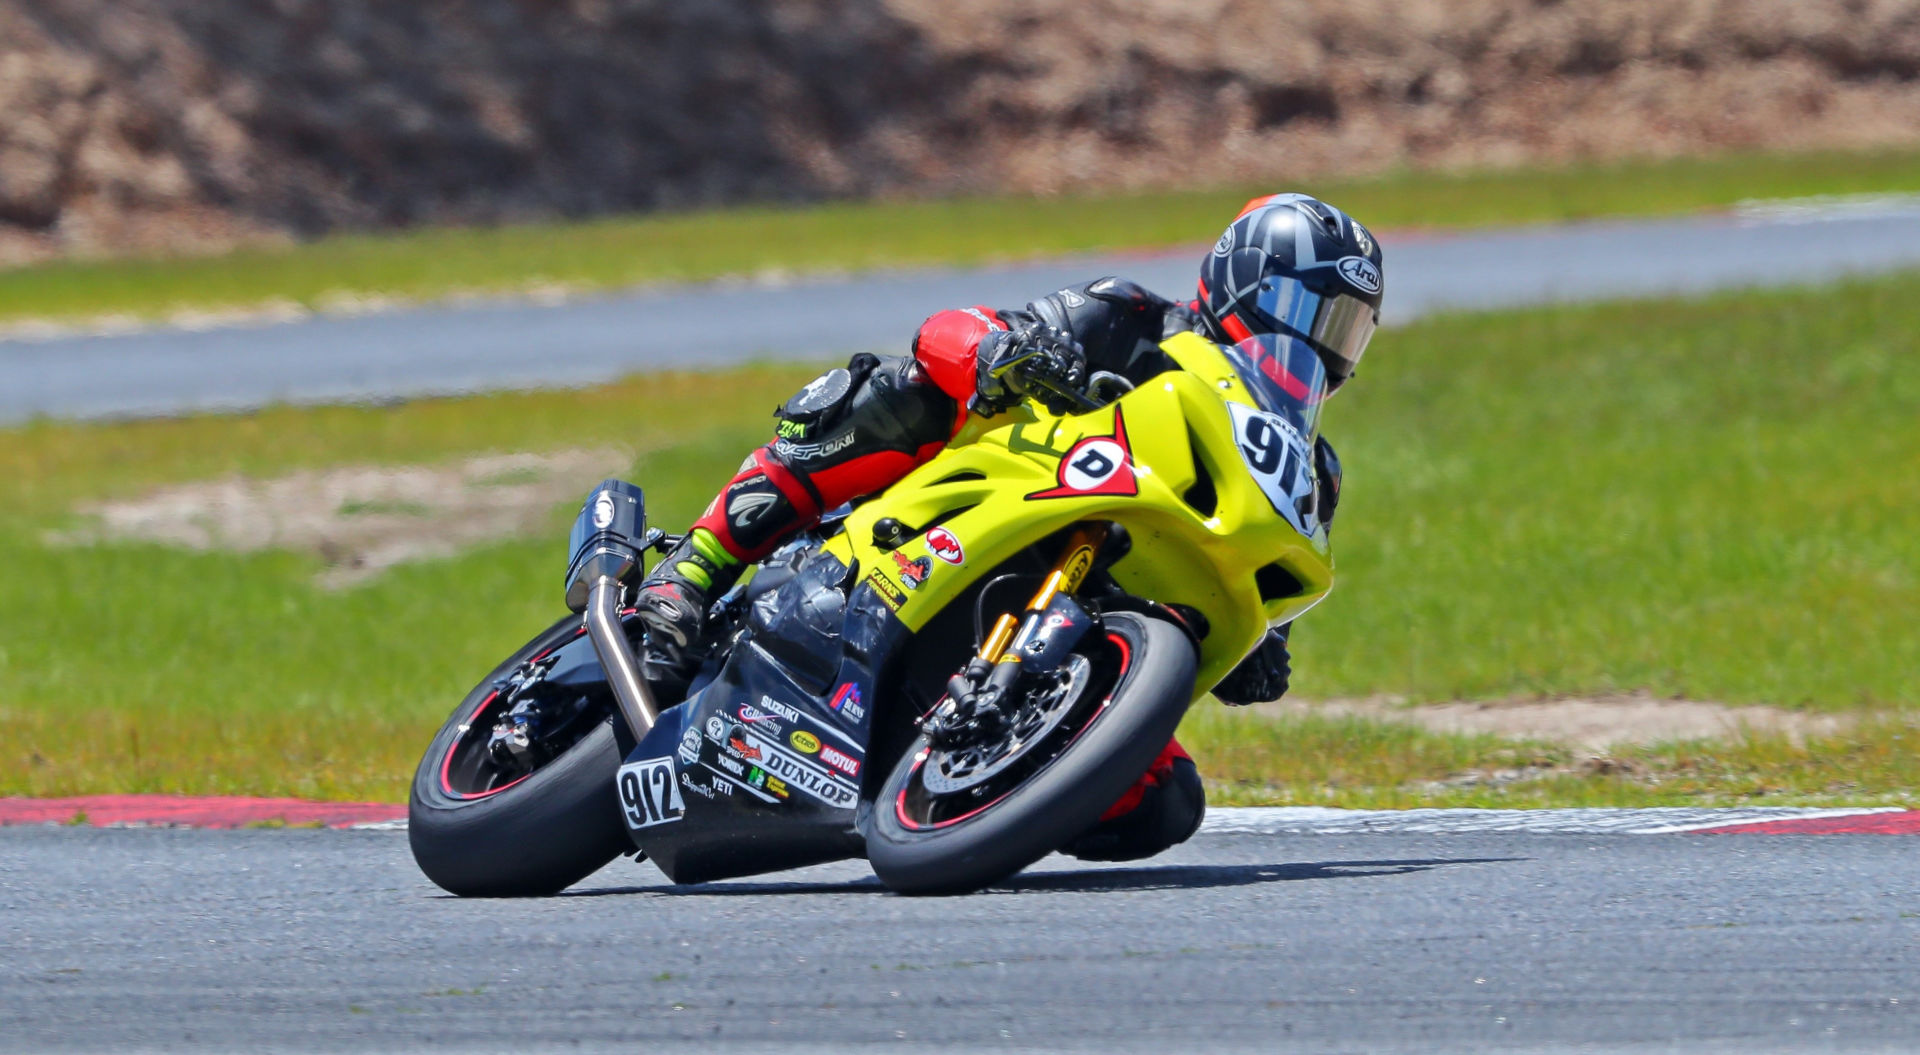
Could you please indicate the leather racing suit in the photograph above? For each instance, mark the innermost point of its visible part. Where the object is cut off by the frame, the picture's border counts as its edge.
(855, 430)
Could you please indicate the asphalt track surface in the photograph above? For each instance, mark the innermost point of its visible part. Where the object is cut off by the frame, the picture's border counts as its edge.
(498, 345)
(256, 941)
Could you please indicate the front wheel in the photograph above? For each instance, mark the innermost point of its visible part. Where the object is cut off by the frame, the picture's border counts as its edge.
(954, 821)
(483, 823)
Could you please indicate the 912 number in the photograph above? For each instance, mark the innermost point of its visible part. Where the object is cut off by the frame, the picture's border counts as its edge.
(648, 793)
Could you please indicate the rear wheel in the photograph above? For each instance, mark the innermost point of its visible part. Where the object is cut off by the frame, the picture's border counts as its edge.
(949, 821)
(484, 821)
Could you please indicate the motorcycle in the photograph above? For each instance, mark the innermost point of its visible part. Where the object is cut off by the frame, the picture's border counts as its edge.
(952, 679)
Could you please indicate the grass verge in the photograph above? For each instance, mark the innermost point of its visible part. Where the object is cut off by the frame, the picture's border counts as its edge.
(619, 252)
(1714, 499)
(1252, 760)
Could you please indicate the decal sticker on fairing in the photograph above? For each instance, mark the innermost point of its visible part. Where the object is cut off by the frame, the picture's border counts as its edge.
(768, 703)
(1280, 462)
(912, 572)
(839, 760)
(846, 702)
(805, 775)
(890, 593)
(942, 544)
(760, 719)
(804, 742)
(649, 794)
(742, 745)
(1097, 465)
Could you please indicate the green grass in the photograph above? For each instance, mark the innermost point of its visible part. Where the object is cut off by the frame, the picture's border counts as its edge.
(1715, 499)
(625, 251)
(1253, 759)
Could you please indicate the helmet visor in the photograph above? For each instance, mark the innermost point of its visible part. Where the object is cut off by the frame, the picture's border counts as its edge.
(1339, 326)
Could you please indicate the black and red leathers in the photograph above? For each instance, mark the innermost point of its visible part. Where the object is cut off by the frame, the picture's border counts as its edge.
(855, 430)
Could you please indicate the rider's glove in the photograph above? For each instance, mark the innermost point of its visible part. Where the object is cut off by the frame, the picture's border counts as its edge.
(1038, 362)
(1178, 318)
(1260, 677)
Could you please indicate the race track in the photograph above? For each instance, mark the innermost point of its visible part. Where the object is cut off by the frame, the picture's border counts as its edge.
(463, 348)
(254, 941)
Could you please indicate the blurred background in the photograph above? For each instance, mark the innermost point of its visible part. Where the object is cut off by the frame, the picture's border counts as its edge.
(316, 318)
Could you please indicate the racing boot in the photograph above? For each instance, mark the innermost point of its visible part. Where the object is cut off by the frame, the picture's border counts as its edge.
(1163, 808)
(673, 603)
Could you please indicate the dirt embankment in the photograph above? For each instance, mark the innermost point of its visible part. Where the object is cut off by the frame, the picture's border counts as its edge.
(139, 124)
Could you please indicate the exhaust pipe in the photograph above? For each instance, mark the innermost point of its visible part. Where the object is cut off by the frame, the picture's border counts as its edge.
(630, 690)
(608, 538)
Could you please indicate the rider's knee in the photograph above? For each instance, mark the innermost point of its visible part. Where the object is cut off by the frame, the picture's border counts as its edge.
(1169, 812)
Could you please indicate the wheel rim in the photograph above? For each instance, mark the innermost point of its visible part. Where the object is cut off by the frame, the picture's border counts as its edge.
(469, 771)
(921, 805)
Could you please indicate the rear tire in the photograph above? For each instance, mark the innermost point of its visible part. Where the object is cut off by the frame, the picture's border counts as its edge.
(1061, 800)
(532, 838)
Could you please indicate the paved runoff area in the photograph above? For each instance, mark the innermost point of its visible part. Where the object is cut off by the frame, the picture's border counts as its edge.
(1272, 930)
(188, 811)
(504, 343)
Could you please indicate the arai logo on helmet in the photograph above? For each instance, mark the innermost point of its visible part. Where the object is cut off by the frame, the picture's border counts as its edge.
(602, 511)
(1225, 244)
(1360, 273)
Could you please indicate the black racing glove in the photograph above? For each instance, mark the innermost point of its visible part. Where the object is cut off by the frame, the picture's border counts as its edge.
(1041, 362)
(1260, 677)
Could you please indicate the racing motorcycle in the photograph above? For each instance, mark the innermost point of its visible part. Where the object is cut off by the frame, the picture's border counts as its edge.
(951, 680)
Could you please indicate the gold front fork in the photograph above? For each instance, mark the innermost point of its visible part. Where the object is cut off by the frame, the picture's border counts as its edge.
(1068, 573)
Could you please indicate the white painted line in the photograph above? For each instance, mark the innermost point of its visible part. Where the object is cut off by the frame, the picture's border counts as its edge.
(1322, 820)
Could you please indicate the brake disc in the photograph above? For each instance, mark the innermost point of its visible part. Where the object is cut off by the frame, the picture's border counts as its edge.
(962, 768)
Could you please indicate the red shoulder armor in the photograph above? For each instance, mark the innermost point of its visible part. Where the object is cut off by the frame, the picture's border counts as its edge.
(945, 347)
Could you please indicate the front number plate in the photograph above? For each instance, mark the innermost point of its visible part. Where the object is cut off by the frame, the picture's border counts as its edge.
(1279, 460)
(648, 793)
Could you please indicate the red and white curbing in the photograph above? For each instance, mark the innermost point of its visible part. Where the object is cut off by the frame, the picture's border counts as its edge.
(182, 811)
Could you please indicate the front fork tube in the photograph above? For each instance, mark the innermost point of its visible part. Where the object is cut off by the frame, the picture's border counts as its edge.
(1036, 639)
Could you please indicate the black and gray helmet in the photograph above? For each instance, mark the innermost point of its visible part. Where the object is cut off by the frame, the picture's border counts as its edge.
(1294, 265)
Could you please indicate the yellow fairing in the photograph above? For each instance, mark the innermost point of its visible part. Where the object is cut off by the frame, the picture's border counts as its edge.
(1016, 484)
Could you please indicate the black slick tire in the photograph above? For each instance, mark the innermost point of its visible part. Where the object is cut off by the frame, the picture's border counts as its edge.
(1058, 802)
(530, 839)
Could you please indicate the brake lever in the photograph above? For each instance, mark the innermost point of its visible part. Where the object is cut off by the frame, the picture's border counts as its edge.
(1081, 401)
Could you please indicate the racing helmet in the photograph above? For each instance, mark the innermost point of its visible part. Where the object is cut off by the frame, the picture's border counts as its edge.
(1293, 265)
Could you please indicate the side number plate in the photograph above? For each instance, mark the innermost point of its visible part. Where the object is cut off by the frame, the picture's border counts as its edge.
(648, 793)
(1279, 460)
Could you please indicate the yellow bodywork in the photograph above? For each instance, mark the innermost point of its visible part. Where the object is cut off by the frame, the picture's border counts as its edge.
(982, 492)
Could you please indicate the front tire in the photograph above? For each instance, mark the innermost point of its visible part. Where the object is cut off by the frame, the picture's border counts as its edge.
(918, 846)
(530, 837)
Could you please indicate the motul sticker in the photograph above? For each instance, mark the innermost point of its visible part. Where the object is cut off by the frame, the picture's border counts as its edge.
(1097, 465)
(942, 544)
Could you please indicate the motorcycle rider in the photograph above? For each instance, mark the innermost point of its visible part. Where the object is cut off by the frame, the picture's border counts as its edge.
(1286, 265)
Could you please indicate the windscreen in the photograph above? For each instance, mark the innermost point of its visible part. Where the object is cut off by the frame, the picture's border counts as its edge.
(1285, 377)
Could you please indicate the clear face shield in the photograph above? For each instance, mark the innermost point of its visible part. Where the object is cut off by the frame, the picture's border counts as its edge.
(1339, 325)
